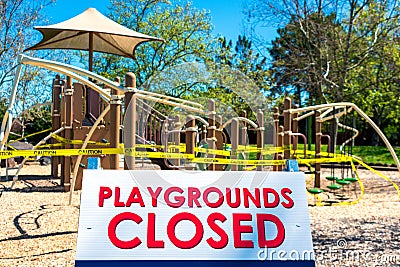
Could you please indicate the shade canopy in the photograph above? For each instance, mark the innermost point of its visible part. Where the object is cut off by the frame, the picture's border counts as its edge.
(91, 31)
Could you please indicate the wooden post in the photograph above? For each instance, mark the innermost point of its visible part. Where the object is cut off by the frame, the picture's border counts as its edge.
(68, 132)
(130, 119)
(164, 132)
(56, 122)
(115, 124)
(334, 132)
(287, 127)
(219, 123)
(190, 137)
(260, 136)
(177, 137)
(276, 135)
(234, 142)
(211, 140)
(318, 134)
(203, 132)
(243, 134)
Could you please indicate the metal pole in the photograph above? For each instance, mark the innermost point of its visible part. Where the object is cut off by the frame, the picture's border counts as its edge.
(68, 132)
(287, 127)
(280, 144)
(115, 124)
(90, 51)
(235, 142)
(56, 122)
(190, 137)
(177, 137)
(130, 120)
(276, 134)
(260, 136)
(295, 130)
(211, 139)
(318, 134)
(4, 132)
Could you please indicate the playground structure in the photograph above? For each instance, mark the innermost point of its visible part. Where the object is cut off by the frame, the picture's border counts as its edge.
(89, 125)
(88, 129)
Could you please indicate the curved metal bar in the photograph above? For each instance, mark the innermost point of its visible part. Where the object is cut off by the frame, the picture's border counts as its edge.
(47, 63)
(68, 69)
(299, 118)
(79, 158)
(153, 109)
(15, 178)
(337, 115)
(166, 148)
(3, 131)
(362, 114)
(75, 76)
(201, 120)
(168, 102)
(329, 141)
(351, 138)
(321, 107)
(305, 142)
(241, 119)
(168, 97)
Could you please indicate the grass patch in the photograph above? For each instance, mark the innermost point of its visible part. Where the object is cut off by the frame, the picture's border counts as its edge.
(375, 154)
(372, 155)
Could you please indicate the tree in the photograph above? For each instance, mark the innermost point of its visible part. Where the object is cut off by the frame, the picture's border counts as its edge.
(376, 89)
(239, 77)
(186, 30)
(17, 18)
(336, 37)
(302, 63)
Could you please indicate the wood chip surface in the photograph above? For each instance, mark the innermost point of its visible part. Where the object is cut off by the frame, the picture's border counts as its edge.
(39, 228)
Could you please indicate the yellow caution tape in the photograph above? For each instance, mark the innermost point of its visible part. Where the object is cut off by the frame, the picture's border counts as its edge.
(92, 151)
(29, 135)
(10, 146)
(238, 161)
(213, 151)
(379, 174)
(346, 203)
(146, 154)
(59, 152)
(50, 145)
(362, 188)
(141, 154)
(77, 142)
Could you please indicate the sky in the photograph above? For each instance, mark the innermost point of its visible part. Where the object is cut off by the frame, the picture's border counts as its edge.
(226, 14)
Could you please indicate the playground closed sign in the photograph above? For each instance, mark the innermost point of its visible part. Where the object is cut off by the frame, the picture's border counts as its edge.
(182, 218)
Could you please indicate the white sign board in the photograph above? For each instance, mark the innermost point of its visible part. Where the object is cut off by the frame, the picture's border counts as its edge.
(181, 218)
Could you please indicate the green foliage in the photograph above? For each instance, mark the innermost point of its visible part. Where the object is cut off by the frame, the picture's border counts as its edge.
(36, 120)
(240, 77)
(374, 84)
(301, 58)
(191, 64)
(17, 18)
(186, 31)
(3, 108)
(343, 51)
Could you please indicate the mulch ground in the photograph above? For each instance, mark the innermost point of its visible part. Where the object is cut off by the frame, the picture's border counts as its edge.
(39, 228)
